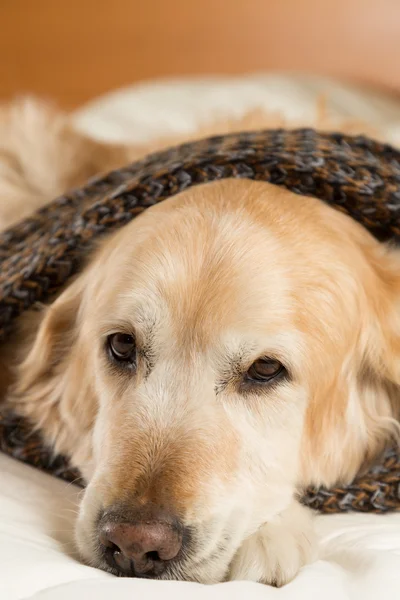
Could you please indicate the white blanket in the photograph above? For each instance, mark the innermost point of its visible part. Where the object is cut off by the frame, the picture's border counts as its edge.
(359, 558)
(359, 554)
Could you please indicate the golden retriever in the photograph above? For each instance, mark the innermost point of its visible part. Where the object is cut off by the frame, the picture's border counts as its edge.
(224, 350)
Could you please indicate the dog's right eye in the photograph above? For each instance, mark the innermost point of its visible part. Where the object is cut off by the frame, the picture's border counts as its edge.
(122, 347)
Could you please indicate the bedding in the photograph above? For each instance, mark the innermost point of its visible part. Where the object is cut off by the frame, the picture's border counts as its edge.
(360, 554)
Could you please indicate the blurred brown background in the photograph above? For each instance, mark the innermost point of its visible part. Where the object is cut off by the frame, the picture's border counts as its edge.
(72, 51)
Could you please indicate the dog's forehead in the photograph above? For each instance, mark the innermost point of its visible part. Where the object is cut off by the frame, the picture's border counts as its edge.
(230, 253)
(202, 269)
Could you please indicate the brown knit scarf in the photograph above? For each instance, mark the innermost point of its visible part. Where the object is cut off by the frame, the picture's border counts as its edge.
(356, 175)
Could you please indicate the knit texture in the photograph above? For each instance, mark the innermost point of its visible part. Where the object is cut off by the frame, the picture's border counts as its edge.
(355, 175)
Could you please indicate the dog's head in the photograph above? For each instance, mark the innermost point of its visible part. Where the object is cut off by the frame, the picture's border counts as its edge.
(224, 349)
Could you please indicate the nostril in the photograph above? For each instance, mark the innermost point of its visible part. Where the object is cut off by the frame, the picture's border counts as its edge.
(112, 549)
(122, 562)
(153, 556)
(106, 541)
(112, 553)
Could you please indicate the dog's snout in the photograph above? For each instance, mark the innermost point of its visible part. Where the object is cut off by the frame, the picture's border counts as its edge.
(141, 548)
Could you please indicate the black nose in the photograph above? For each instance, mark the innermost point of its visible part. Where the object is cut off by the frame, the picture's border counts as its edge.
(140, 548)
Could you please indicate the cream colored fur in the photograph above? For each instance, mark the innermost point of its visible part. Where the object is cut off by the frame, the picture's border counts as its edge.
(233, 270)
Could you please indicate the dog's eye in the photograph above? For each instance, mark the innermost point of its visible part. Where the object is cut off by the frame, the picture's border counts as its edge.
(122, 347)
(264, 370)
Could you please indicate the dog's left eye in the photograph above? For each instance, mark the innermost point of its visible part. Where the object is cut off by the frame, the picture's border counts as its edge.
(122, 347)
(264, 370)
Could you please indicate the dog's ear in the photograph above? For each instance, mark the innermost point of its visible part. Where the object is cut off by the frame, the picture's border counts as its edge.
(377, 387)
(354, 410)
(53, 386)
(386, 307)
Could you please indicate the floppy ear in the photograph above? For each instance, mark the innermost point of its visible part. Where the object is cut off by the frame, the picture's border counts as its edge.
(378, 376)
(53, 386)
(386, 307)
(354, 411)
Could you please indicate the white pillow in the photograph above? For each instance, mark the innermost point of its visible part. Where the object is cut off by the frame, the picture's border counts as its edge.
(151, 110)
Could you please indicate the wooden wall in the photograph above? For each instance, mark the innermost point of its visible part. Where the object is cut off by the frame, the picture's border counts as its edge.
(76, 49)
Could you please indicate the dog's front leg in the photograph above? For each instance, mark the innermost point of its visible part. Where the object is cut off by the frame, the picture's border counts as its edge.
(276, 552)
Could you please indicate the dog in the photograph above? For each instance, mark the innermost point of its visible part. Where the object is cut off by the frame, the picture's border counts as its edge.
(224, 350)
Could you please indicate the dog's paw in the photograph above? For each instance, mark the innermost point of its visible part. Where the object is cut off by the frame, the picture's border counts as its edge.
(277, 551)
